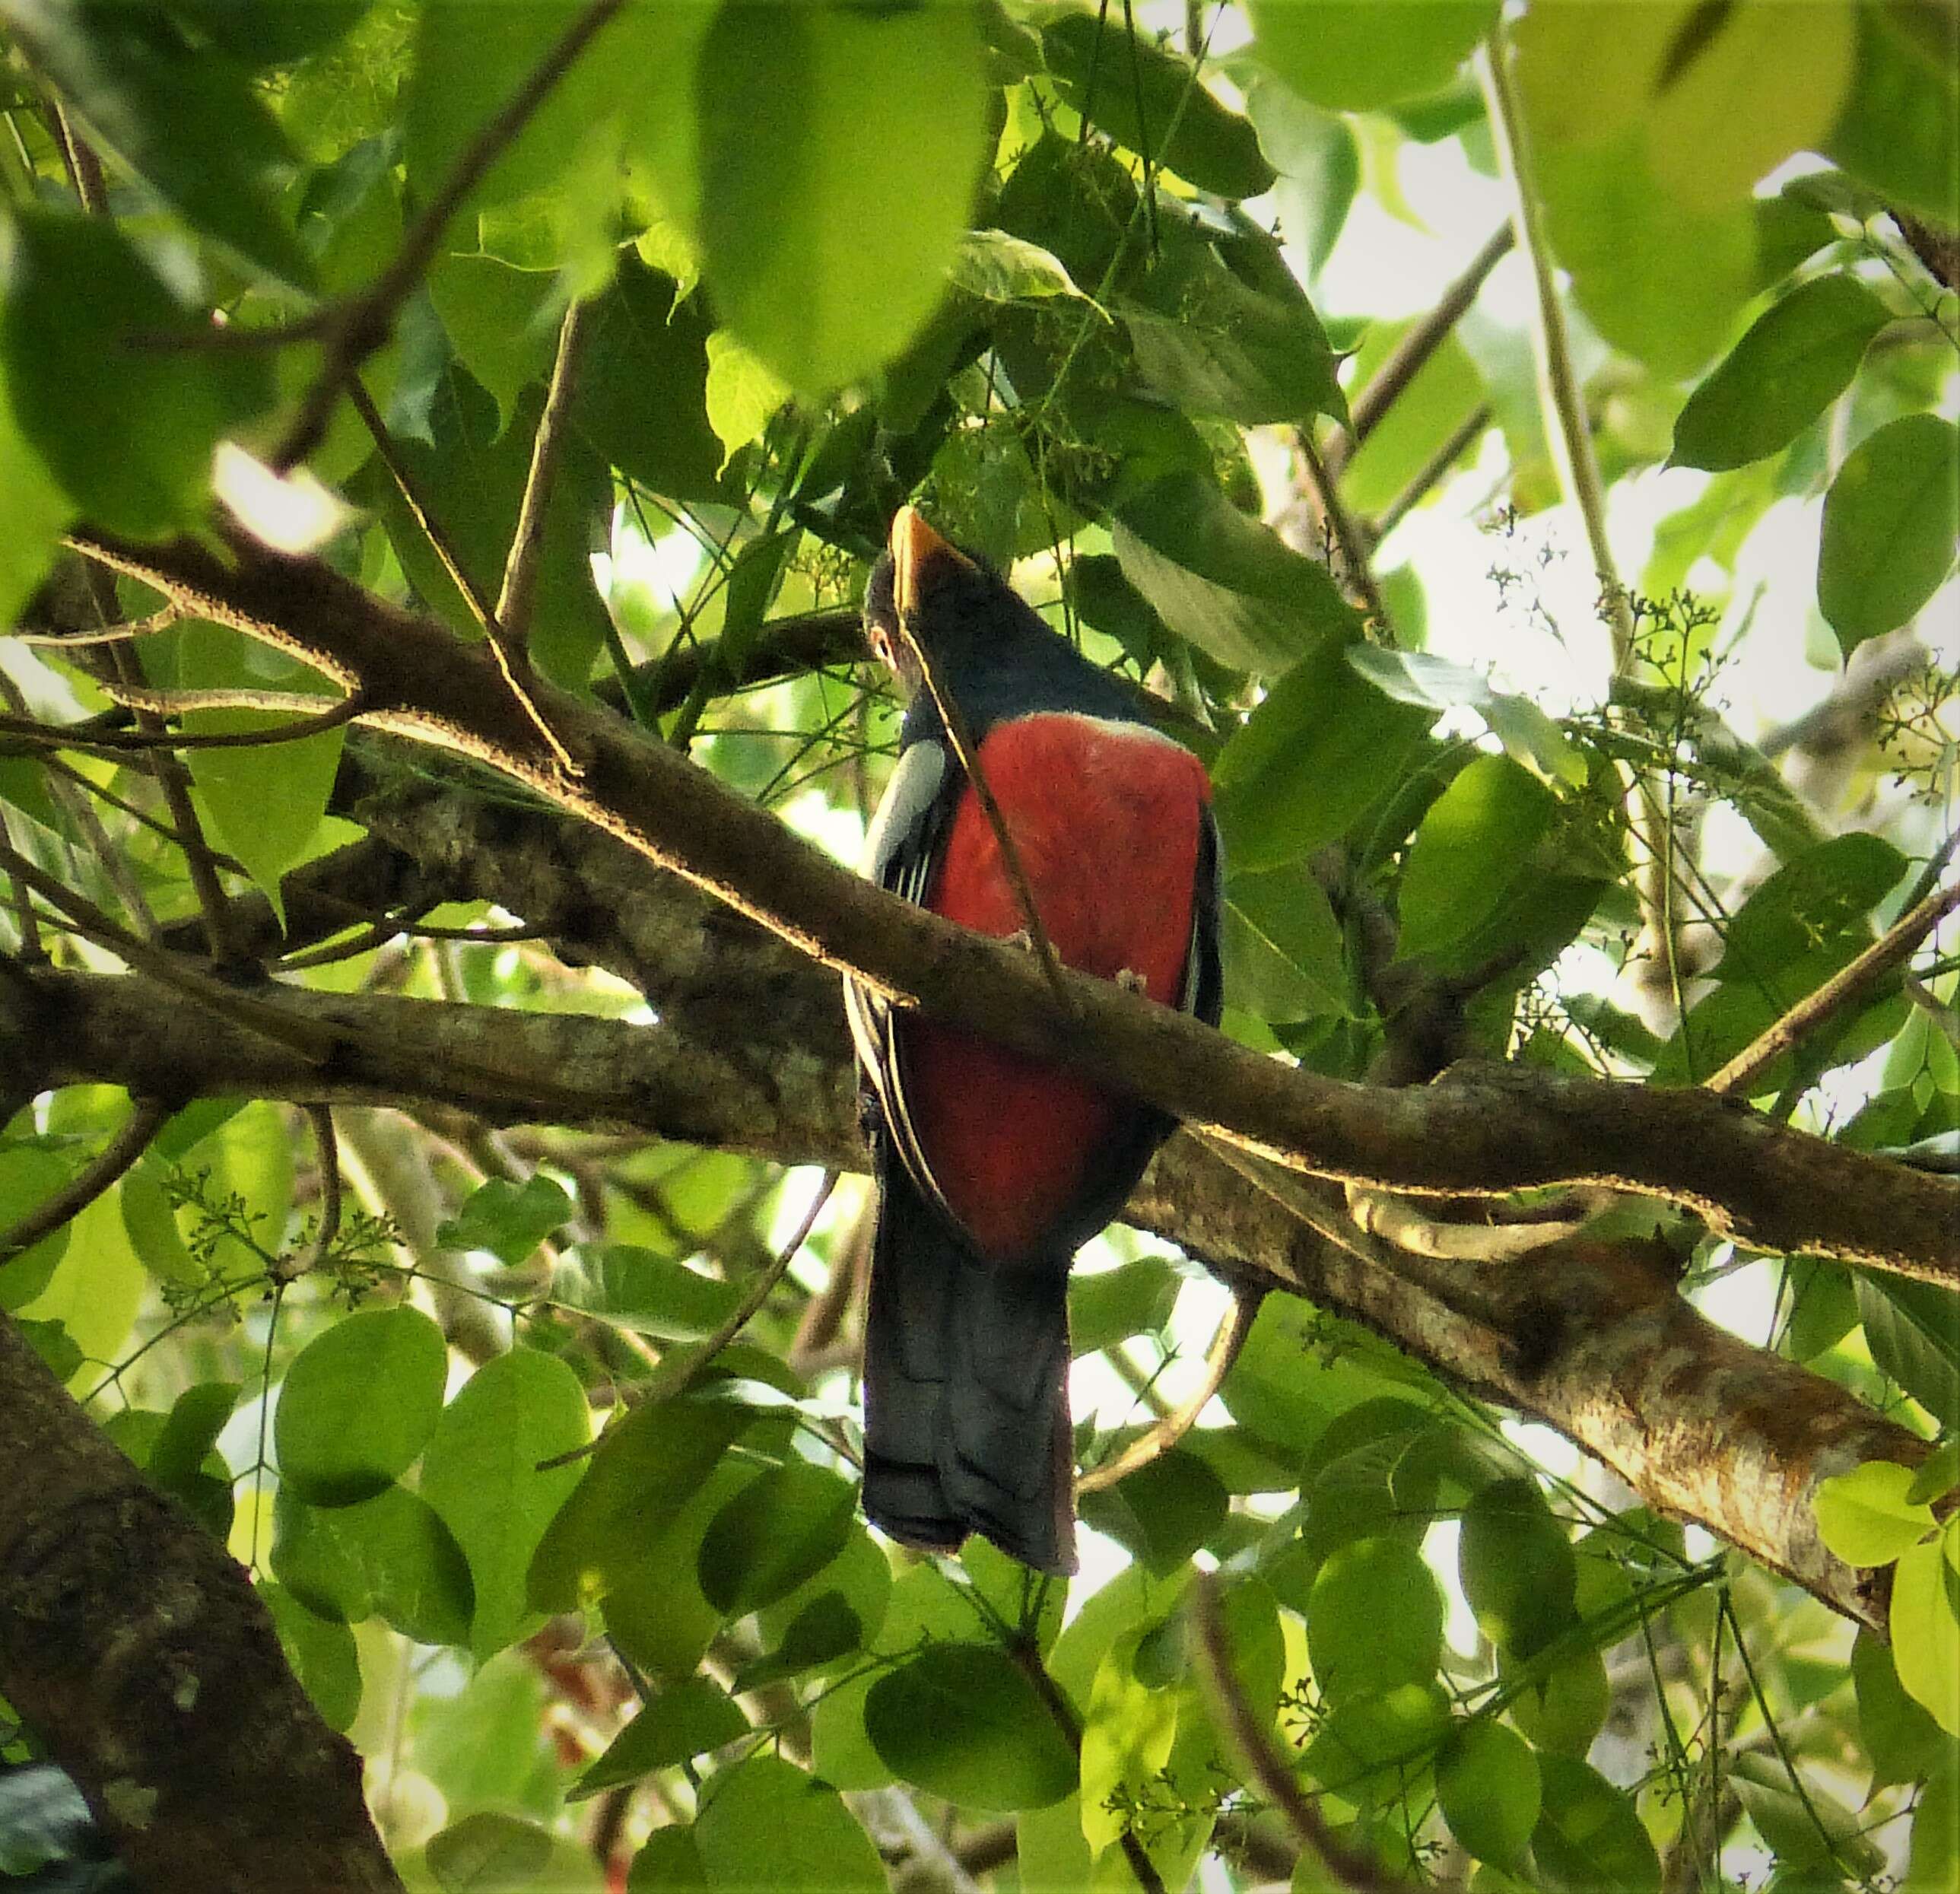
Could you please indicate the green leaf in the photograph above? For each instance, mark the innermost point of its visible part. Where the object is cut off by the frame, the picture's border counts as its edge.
(1889, 523)
(1562, 1711)
(263, 806)
(1935, 1862)
(480, 1473)
(390, 1557)
(188, 1439)
(1796, 359)
(322, 1652)
(1230, 585)
(1864, 1516)
(687, 1720)
(773, 1535)
(1319, 164)
(1487, 1786)
(1939, 1473)
(1517, 1567)
(1530, 737)
(1163, 1512)
(1322, 745)
(1590, 1839)
(504, 321)
(508, 1219)
(1374, 1619)
(840, 152)
(1740, 90)
(358, 1403)
(1215, 346)
(642, 395)
(1368, 1747)
(669, 1862)
(1900, 129)
(1354, 55)
(36, 509)
(185, 118)
(651, 1294)
(1285, 956)
(1150, 100)
(1109, 1306)
(29, 1175)
(86, 330)
(767, 1825)
(1912, 1329)
(999, 268)
(1822, 900)
(1475, 841)
(962, 1721)
(1904, 1743)
(487, 1853)
(827, 1627)
(926, 1606)
(636, 1484)
(741, 392)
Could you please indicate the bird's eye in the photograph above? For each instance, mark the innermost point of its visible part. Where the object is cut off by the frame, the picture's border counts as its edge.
(881, 646)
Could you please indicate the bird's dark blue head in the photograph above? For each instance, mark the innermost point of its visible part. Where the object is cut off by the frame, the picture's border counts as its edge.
(988, 649)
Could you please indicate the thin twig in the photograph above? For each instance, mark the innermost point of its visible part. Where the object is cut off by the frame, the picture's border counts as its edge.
(1352, 1867)
(473, 596)
(1891, 950)
(1407, 359)
(157, 622)
(515, 668)
(115, 866)
(1027, 1659)
(132, 1139)
(515, 602)
(1168, 1428)
(365, 324)
(954, 720)
(676, 1377)
(1347, 536)
(1430, 473)
(328, 1147)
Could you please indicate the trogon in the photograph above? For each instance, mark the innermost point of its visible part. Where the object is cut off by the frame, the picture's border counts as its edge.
(994, 1169)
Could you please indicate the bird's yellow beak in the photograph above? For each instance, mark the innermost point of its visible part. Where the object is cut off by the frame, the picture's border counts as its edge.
(913, 544)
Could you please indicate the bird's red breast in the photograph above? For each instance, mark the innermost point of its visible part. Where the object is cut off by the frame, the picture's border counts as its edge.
(1105, 817)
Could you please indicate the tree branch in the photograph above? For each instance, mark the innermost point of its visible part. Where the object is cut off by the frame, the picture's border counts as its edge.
(1591, 1339)
(198, 1753)
(1479, 1130)
(1412, 351)
(1891, 949)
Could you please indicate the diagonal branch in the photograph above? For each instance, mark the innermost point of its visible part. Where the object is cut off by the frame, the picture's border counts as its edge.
(1482, 1130)
(1891, 949)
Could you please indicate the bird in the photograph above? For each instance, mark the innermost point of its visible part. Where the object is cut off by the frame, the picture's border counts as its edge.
(992, 1168)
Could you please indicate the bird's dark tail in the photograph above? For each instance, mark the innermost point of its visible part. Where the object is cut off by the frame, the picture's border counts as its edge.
(967, 1426)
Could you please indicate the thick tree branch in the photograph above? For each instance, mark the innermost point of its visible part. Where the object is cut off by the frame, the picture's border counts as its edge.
(1478, 1130)
(135, 1646)
(1586, 1337)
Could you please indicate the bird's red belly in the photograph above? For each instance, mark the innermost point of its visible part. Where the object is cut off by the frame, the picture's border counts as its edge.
(1105, 819)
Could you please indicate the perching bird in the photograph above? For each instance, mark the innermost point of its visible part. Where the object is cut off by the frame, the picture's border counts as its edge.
(994, 1169)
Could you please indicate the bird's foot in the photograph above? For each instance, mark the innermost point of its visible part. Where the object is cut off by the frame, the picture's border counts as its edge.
(1023, 939)
(1131, 981)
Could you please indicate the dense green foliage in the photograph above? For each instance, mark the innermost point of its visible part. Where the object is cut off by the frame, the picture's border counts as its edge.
(995, 259)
